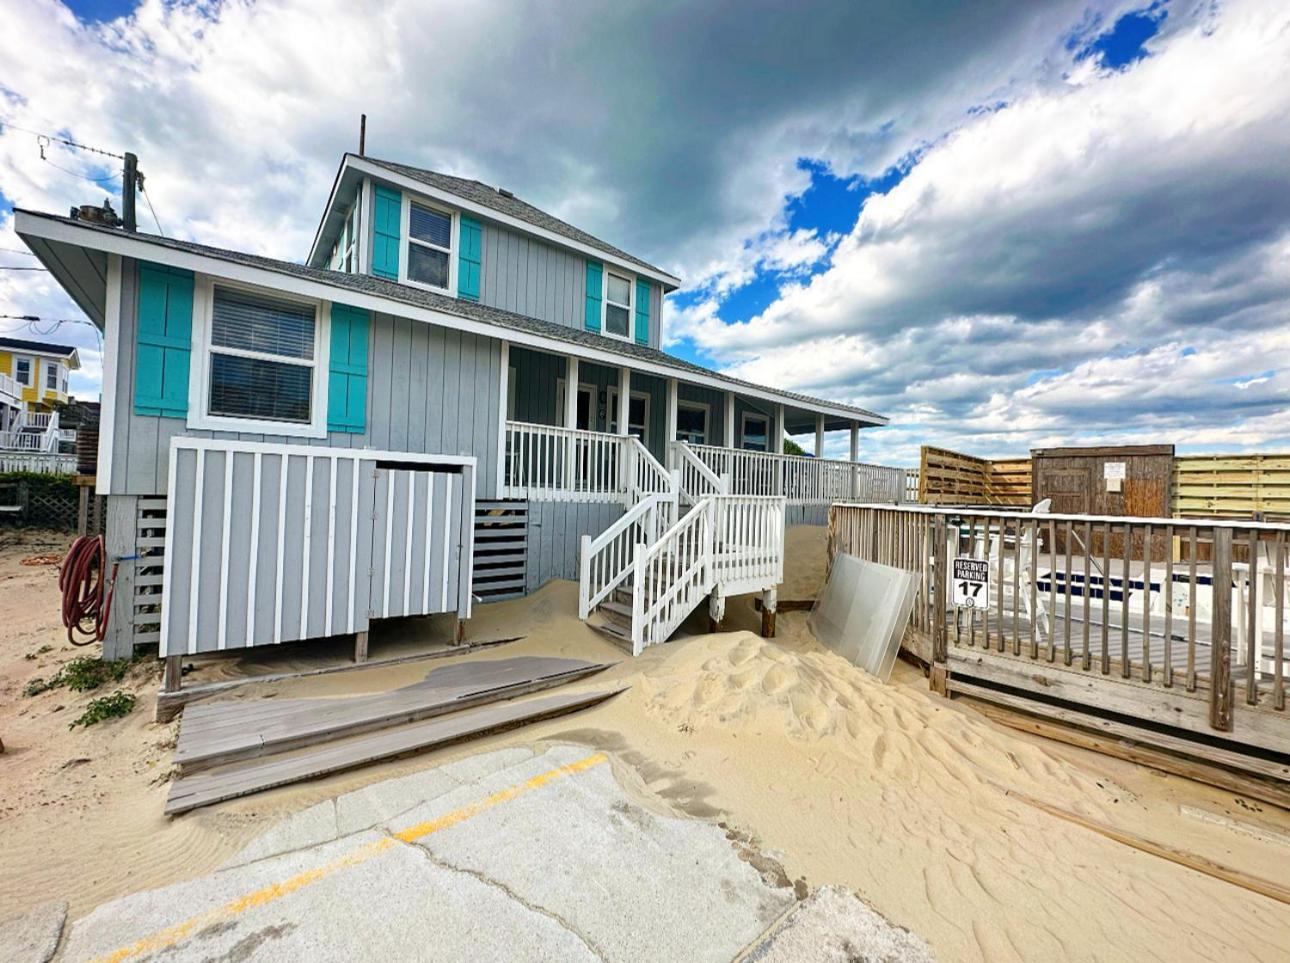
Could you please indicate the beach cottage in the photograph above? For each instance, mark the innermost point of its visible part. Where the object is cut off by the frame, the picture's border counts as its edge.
(457, 396)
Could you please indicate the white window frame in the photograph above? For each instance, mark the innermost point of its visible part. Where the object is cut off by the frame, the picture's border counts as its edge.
(583, 389)
(199, 415)
(604, 304)
(743, 431)
(51, 368)
(62, 379)
(695, 406)
(31, 364)
(405, 237)
(611, 415)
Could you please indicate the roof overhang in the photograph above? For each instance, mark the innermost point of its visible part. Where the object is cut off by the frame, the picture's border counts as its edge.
(353, 169)
(50, 236)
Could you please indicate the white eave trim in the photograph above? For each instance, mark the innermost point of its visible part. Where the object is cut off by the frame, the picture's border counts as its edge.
(133, 246)
(492, 214)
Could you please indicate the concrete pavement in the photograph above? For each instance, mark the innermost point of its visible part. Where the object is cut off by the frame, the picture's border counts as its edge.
(505, 855)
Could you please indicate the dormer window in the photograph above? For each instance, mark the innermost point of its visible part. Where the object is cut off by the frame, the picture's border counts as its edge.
(618, 305)
(429, 250)
(345, 254)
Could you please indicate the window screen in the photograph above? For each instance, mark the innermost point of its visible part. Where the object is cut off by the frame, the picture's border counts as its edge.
(429, 246)
(262, 357)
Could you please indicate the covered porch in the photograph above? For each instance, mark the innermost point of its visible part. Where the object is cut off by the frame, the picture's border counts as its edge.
(624, 432)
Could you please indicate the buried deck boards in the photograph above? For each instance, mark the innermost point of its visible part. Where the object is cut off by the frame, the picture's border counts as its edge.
(217, 785)
(222, 732)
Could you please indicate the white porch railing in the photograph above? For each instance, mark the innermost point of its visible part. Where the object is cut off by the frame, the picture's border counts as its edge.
(10, 388)
(697, 479)
(41, 419)
(549, 463)
(801, 480)
(40, 462)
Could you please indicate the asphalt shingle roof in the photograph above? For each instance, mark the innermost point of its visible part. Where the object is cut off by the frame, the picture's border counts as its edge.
(419, 297)
(47, 347)
(486, 196)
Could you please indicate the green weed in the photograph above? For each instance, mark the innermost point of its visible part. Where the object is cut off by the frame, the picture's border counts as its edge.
(105, 707)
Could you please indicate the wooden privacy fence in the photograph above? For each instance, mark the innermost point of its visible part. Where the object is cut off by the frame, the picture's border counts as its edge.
(951, 478)
(1231, 486)
(1099, 614)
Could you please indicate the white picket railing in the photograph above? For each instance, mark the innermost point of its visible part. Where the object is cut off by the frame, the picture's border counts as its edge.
(727, 543)
(40, 462)
(9, 387)
(34, 432)
(607, 559)
(41, 419)
(801, 480)
(549, 463)
(697, 479)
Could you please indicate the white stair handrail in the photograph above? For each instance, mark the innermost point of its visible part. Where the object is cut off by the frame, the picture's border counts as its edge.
(606, 560)
(697, 479)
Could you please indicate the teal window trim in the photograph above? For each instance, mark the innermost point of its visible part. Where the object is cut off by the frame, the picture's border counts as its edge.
(347, 370)
(163, 341)
(470, 258)
(642, 311)
(387, 232)
(595, 280)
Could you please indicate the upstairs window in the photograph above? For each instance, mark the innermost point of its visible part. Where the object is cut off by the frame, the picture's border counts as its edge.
(263, 351)
(345, 254)
(429, 260)
(22, 371)
(51, 375)
(618, 305)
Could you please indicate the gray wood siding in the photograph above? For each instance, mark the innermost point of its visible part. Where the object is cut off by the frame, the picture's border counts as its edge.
(430, 390)
(555, 536)
(716, 402)
(533, 278)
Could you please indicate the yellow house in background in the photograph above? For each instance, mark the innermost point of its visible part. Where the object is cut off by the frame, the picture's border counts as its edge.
(39, 371)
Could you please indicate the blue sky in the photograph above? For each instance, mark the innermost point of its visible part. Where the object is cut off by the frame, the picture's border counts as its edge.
(1005, 225)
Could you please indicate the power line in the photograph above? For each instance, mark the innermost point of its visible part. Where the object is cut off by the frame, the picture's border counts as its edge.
(5, 267)
(148, 197)
(60, 140)
(15, 250)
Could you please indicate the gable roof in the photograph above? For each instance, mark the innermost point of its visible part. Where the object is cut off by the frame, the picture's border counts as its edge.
(40, 231)
(507, 203)
(38, 347)
(474, 197)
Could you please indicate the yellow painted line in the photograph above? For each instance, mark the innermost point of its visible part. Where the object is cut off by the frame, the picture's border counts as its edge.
(274, 891)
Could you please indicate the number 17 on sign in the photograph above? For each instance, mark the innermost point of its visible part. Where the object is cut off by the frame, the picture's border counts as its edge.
(970, 578)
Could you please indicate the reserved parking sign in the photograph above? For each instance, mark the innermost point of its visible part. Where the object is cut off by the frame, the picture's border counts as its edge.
(970, 578)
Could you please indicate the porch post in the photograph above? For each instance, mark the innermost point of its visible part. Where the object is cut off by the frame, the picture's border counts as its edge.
(779, 430)
(728, 438)
(502, 388)
(819, 436)
(855, 457)
(624, 398)
(571, 383)
(671, 414)
(571, 392)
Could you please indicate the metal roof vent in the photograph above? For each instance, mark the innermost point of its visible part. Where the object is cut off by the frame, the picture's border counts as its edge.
(503, 191)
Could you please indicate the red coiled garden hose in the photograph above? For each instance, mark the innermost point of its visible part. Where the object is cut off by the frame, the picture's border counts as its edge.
(87, 600)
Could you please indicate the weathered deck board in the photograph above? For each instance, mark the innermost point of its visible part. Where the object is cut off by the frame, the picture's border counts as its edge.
(229, 782)
(222, 732)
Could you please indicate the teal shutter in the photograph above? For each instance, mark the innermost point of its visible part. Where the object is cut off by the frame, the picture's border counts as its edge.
(470, 245)
(347, 370)
(387, 222)
(642, 312)
(164, 343)
(595, 276)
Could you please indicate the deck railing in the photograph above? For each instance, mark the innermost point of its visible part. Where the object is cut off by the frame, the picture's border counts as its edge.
(549, 463)
(697, 479)
(802, 480)
(9, 387)
(1169, 605)
(34, 432)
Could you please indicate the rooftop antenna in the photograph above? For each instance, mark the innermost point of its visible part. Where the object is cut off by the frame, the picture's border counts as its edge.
(362, 135)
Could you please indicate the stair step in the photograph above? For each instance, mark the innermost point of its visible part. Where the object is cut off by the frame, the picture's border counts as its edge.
(615, 630)
(619, 611)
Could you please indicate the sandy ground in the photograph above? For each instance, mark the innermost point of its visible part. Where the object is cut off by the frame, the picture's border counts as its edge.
(886, 790)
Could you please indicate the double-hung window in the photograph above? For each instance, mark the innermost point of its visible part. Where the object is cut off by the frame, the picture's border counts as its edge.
(637, 414)
(51, 375)
(618, 305)
(345, 257)
(262, 363)
(429, 250)
(22, 371)
(756, 432)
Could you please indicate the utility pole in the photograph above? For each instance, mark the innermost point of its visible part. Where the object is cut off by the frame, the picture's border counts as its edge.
(362, 135)
(129, 183)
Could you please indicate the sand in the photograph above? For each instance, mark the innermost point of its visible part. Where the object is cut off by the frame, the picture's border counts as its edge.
(885, 790)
